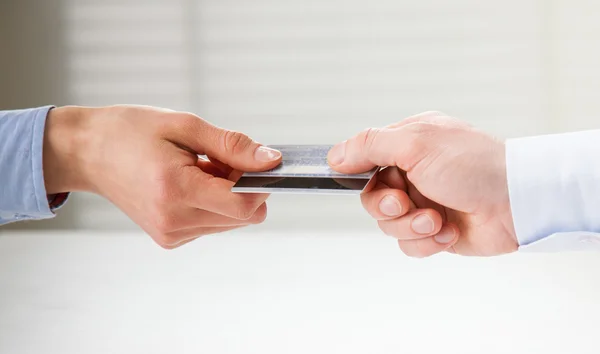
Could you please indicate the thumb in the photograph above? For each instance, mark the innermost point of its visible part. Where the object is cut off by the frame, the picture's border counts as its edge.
(403, 146)
(241, 152)
(232, 148)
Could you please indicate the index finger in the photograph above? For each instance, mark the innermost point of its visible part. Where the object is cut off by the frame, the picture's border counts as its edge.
(214, 194)
(384, 203)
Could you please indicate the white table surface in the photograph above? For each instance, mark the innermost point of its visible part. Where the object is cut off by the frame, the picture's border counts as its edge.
(287, 293)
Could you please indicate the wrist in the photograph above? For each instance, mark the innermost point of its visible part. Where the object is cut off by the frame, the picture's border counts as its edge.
(505, 213)
(64, 156)
(508, 225)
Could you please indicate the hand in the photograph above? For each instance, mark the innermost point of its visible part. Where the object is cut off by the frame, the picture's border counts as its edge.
(445, 188)
(145, 161)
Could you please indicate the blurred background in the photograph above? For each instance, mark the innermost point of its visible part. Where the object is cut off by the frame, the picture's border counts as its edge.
(296, 72)
(305, 71)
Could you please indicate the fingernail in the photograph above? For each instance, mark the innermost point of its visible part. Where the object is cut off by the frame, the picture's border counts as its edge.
(445, 236)
(337, 153)
(422, 224)
(390, 206)
(264, 153)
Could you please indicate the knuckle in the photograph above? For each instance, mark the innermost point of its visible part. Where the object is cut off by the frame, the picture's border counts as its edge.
(166, 247)
(189, 126)
(419, 251)
(188, 121)
(411, 250)
(235, 142)
(217, 186)
(244, 213)
(384, 226)
(368, 137)
(249, 207)
(165, 191)
(403, 247)
(419, 128)
(259, 216)
(165, 241)
(419, 142)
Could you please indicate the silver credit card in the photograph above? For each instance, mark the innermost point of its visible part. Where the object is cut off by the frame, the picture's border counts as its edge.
(304, 169)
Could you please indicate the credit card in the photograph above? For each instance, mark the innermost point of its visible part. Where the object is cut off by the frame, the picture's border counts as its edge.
(304, 169)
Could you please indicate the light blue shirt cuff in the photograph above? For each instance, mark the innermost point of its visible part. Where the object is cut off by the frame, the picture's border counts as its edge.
(554, 187)
(22, 187)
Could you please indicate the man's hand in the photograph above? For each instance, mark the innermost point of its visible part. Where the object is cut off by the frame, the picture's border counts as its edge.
(445, 188)
(144, 160)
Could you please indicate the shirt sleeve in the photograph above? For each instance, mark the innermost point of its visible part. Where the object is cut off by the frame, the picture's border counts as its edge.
(554, 187)
(22, 188)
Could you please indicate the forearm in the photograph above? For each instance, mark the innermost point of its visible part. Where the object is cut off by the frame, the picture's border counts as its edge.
(554, 184)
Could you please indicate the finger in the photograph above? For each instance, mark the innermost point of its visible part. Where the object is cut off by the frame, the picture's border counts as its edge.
(193, 218)
(416, 224)
(423, 202)
(224, 167)
(429, 246)
(177, 245)
(372, 184)
(404, 147)
(385, 203)
(211, 169)
(214, 194)
(182, 237)
(393, 178)
(231, 148)
(235, 175)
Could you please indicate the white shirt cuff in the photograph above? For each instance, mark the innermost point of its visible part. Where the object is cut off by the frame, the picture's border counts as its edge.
(554, 188)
